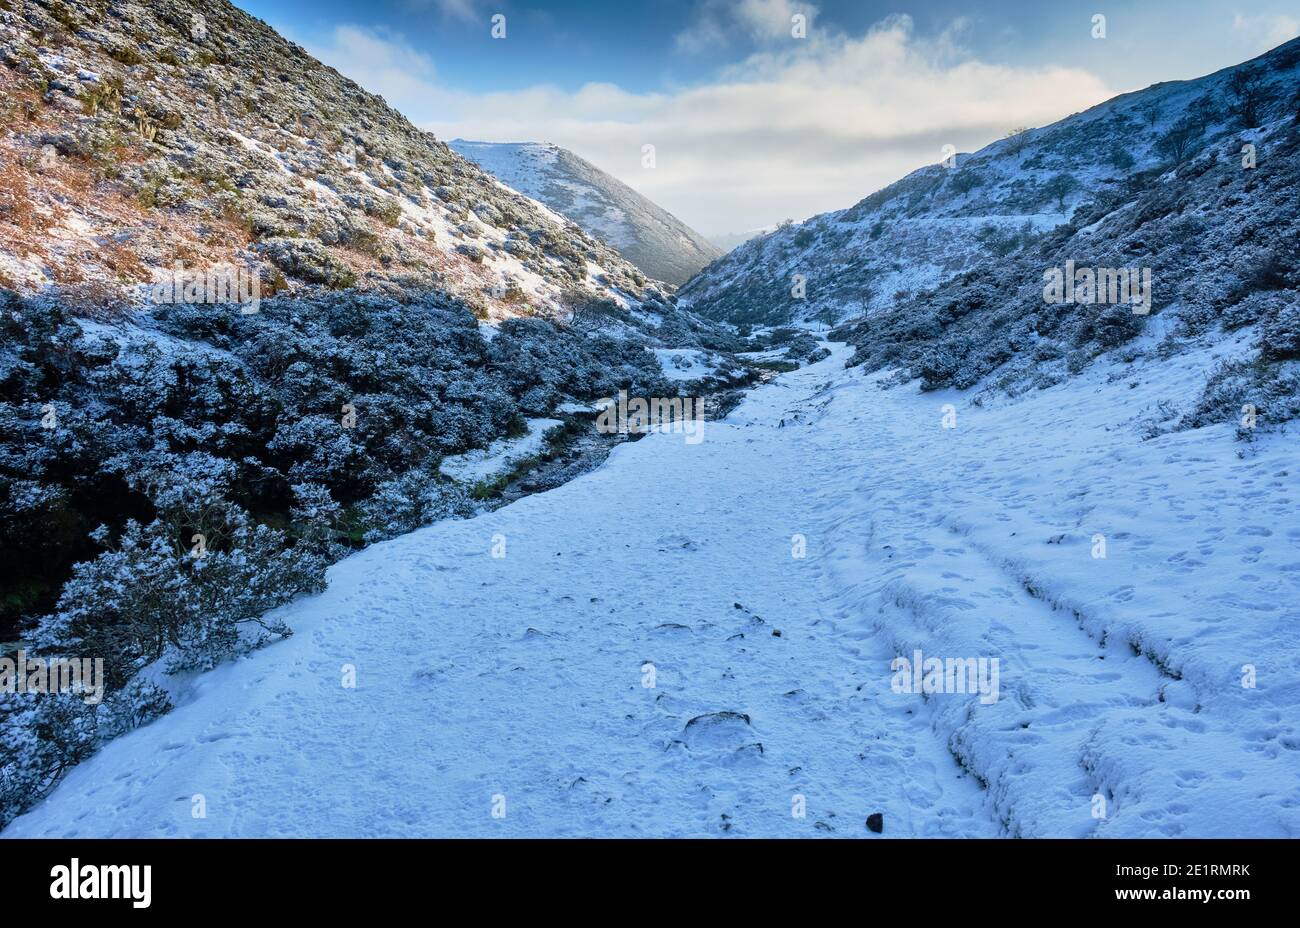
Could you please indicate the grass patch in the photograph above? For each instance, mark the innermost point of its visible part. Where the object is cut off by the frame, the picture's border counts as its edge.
(781, 367)
(128, 55)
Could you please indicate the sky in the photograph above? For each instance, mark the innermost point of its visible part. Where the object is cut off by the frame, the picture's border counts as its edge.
(764, 110)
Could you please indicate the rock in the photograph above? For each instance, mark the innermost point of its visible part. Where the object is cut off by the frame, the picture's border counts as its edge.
(876, 822)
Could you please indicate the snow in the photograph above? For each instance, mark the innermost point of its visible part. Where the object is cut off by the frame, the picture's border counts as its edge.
(499, 457)
(262, 148)
(574, 408)
(601, 205)
(321, 190)
(524, 676)
(532, 168)
(694, 363)
(26, 270)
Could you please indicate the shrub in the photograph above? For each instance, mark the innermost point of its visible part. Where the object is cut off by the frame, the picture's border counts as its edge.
(1109, 325)
(1176, 144)
(387, 210)
(1279, 334)
(44, 736)
(150, 596)
(419, 497)
(936, 366)
(128, 55)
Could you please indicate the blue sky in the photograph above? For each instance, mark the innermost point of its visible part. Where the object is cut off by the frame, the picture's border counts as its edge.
(750, 124)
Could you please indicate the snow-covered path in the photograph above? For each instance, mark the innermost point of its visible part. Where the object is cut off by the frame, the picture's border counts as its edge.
(523, 678)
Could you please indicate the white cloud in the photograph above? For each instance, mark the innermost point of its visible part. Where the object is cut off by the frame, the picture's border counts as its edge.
(720, 22)
(1266, 30)
(800, 128)
(380, 61)
(464, 10)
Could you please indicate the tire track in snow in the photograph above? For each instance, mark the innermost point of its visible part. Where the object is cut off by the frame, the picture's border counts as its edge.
(922, 585)
(1082, 711)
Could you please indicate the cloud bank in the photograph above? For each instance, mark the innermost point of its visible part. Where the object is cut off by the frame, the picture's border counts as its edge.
(799, 127)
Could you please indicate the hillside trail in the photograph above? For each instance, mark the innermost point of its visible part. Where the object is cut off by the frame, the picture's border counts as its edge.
(649, 657)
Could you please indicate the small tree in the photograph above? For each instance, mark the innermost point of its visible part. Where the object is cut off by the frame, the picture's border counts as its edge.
(1017, 139)
(1248, 96)
(1059, 187)
(586, 312)
(1120, 159)
(1176, 144)
(864, 300)
(829, 315)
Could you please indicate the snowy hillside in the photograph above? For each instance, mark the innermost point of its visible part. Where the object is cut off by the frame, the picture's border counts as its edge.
(682, 671)
(972, 211)
(247, 313)
(731, 240)
(985, 522)
(604, 207)
(188, 132)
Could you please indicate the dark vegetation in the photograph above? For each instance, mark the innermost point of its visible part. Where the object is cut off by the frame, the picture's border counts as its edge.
(169, 478)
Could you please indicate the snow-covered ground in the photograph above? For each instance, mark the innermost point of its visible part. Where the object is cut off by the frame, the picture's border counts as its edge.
(499, 457)
(522, 682)
(685, 364)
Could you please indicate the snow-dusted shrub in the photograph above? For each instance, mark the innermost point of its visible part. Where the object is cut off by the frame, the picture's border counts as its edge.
(1047, 350)
(1268, 394)
(306, 259)
(195, 603)
(936, 366)
(317, 521)
(318, 448)
(1272, 269)
(1279, 332)
(1108, 325)
(585, 311)
(1120, 159)
(43, 736)
(806, 348)
(1241, 310)
(999, 240)
(965, 180)
(675, 330)
(419, 497)
(1076, 361)
(537, 355)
